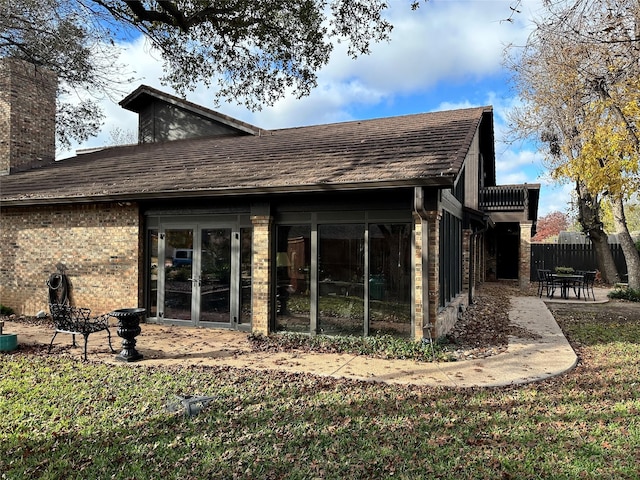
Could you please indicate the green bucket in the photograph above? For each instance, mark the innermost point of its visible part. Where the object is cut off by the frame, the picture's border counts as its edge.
(8, 342)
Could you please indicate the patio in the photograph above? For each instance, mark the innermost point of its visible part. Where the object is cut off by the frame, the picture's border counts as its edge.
(542, 353)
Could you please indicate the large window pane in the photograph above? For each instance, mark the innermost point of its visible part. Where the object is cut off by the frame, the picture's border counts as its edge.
(450, 258)
(293, 268)
(152, 265)
(390, 280)
(178, 263)
(215, 280)
(341, 279)
(246, 235)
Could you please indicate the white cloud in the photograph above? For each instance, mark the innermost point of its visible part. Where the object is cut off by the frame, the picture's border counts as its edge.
(446, 55)
(443, 42)
(510, 160)
(556, 198)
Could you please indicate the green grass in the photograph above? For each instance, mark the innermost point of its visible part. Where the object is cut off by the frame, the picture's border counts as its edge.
(61, 418)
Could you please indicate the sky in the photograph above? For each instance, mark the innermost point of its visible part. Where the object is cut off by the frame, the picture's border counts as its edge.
(448, 54)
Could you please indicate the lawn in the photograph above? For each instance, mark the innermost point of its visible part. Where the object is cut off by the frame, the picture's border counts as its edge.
(61, 418)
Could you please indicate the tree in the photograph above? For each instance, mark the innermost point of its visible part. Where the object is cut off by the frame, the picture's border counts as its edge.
(544, 73)
(579, 78)
(254, 51)
(63, 37)
(550, 225)
(632, 214)
(119, 136)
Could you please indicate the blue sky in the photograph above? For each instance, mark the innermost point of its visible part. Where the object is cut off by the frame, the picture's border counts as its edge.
(448, 54)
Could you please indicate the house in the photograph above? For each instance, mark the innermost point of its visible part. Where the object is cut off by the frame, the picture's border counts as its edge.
(359, 228)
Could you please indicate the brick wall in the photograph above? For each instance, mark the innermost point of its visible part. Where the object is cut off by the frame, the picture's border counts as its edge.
(443, 319)
(261, 275)
(27, 115)
(524, 263)
(433, 270)
(466, 258)
(98, 244)
(420, 265)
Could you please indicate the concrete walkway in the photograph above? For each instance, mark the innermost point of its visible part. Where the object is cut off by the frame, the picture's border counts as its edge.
(543, 353)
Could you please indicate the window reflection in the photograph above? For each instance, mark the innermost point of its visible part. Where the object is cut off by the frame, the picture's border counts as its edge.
(215, 279)
(341, 284)
(152, 293)
(341, 279)
(246, 257)
(293, 269)
(390, 280)
(178, 273)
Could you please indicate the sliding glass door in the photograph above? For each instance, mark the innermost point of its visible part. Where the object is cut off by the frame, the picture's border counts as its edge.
(204, 278)
(214, 281)
(178, 273)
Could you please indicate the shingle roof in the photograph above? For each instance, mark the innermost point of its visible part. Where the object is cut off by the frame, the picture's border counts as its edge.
(421, 149)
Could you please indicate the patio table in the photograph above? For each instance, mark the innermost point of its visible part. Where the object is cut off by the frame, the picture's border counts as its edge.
(567, 281)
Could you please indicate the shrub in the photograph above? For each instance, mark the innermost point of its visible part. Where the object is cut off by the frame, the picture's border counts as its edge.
(564, 270)
(384, 346)
(5, 310)
(625, 293)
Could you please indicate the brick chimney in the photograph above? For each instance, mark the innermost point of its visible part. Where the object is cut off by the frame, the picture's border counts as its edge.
(27, 115)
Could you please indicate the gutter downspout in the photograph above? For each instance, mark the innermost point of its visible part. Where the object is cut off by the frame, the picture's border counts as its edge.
(418, 206)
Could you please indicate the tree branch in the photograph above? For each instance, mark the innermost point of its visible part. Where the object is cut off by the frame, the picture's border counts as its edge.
(144, 15)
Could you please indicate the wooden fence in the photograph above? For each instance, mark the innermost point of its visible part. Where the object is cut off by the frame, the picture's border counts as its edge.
(578, 256)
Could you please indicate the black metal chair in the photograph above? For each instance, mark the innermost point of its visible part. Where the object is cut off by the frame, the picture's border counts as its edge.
(587, 285)
(77, 321)
(542, 281)
(549, 283)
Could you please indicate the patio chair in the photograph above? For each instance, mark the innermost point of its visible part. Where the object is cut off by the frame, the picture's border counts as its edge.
(77, 321)
(587, 285)
(543, 280)
(550, 283)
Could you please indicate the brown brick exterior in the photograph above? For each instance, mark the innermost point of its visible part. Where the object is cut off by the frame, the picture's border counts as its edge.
(442, 319)
(98, 244)
(421, 310)
(524, 265)
(466, 258)
(27, 115)
(261, 301)
(433, 272)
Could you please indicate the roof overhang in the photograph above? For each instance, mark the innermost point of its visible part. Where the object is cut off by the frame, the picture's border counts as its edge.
(435, 182)
(476, 219)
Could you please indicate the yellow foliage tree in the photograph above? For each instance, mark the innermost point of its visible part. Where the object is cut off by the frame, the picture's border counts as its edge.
(579, 79)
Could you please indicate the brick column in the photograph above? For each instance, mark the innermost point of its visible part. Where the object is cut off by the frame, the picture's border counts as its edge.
(261, 298)
(27, 115)
(524, 264)
(420, 267)
(433, 273)
(467, 258)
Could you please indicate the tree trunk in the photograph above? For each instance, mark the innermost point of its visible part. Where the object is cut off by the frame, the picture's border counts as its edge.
(604, 257)
(631, 254)
(589, 218)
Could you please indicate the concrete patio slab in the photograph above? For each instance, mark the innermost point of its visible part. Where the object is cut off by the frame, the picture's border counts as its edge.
(542, 353)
